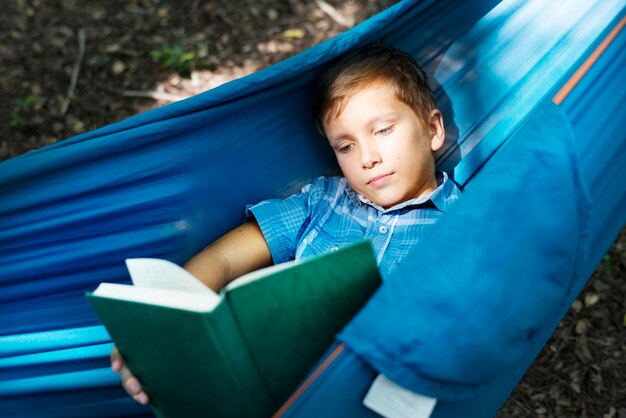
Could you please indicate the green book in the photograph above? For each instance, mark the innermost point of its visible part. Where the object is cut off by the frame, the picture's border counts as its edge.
(240, 353)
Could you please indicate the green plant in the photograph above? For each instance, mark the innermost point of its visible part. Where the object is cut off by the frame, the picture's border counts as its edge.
(184, 62)
(21, 107)
(17, 121)
(608, 264)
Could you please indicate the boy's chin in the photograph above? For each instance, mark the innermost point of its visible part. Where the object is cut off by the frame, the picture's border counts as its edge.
(385, 197)
(384, 202)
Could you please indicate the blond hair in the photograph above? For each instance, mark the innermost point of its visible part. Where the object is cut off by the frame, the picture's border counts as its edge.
(364, 67)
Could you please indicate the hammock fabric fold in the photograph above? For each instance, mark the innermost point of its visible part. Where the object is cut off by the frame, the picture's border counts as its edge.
(533, 93)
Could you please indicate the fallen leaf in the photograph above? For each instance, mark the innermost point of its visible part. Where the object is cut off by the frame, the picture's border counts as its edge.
(163, 12)
(565, 402)
(98, 14)
(112, 48)
(582, 326)
(611, 413)
(582, 350)
(272, 14)
(538, 397)
(294, 33)
(591, 299)
(118, 67)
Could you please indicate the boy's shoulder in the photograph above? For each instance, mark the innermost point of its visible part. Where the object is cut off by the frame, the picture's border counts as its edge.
(328, 189)
(335, 190)
(326, 184)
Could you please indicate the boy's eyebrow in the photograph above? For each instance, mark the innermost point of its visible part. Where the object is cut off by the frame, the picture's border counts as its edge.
(335, 139)
(389, 115)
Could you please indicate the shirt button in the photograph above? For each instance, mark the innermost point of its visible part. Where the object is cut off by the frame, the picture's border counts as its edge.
(382, 229)
(334, 249)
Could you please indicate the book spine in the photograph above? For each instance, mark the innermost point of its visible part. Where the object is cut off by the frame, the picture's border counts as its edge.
(252, 390)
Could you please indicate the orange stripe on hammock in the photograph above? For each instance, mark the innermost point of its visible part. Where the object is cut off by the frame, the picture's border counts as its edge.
(580, 73)
(293, 398)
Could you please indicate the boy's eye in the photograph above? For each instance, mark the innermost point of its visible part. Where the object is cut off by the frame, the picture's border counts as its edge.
(384, 131)
(345, 148)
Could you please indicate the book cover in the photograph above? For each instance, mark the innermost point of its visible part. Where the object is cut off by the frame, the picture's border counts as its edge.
(245, 351)
(192, 364)
(289, 327)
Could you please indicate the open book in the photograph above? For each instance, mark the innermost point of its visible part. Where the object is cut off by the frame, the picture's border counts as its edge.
(243, 351)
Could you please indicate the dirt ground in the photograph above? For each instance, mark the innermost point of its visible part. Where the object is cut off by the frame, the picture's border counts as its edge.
(67, 66)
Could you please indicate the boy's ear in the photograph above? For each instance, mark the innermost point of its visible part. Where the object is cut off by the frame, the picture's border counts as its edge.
(437, 130)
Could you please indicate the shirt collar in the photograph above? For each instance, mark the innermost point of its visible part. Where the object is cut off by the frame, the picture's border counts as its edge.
(441, 197)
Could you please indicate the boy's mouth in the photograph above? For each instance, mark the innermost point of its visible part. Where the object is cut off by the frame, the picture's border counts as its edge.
(380, 180)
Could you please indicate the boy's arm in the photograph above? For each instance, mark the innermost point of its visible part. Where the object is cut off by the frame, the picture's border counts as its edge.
(238, 252)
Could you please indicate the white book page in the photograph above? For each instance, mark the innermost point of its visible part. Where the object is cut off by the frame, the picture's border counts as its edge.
(163, 274)
(393, 401)
(197, 302)
(257, 274)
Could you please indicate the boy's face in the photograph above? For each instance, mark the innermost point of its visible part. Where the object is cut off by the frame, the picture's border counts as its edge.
(383, 149)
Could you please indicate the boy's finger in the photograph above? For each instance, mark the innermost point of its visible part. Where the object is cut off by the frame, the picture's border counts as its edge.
(116, 359)
(141, 397)
(132, 385)
(129, 381)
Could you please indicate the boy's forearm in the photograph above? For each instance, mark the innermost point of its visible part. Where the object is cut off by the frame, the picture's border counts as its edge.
(240, 251)
(210, 267)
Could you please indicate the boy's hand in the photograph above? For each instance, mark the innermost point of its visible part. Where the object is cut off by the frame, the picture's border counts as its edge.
(129, 381)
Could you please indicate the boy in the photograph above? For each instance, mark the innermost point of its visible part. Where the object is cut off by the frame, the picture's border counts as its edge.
(379, 115)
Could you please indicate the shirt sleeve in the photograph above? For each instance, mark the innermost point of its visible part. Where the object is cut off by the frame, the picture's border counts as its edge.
(283, 221)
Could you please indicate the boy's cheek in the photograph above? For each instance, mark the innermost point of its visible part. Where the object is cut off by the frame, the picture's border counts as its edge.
(355, 181)
(348, 168)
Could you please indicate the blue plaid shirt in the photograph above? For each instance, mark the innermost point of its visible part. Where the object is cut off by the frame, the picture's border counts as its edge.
(328, 214)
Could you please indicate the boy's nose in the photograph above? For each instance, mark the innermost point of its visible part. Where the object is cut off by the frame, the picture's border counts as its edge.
(369, 156)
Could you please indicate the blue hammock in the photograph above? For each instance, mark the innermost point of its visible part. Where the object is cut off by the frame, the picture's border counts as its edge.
(533, 93)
